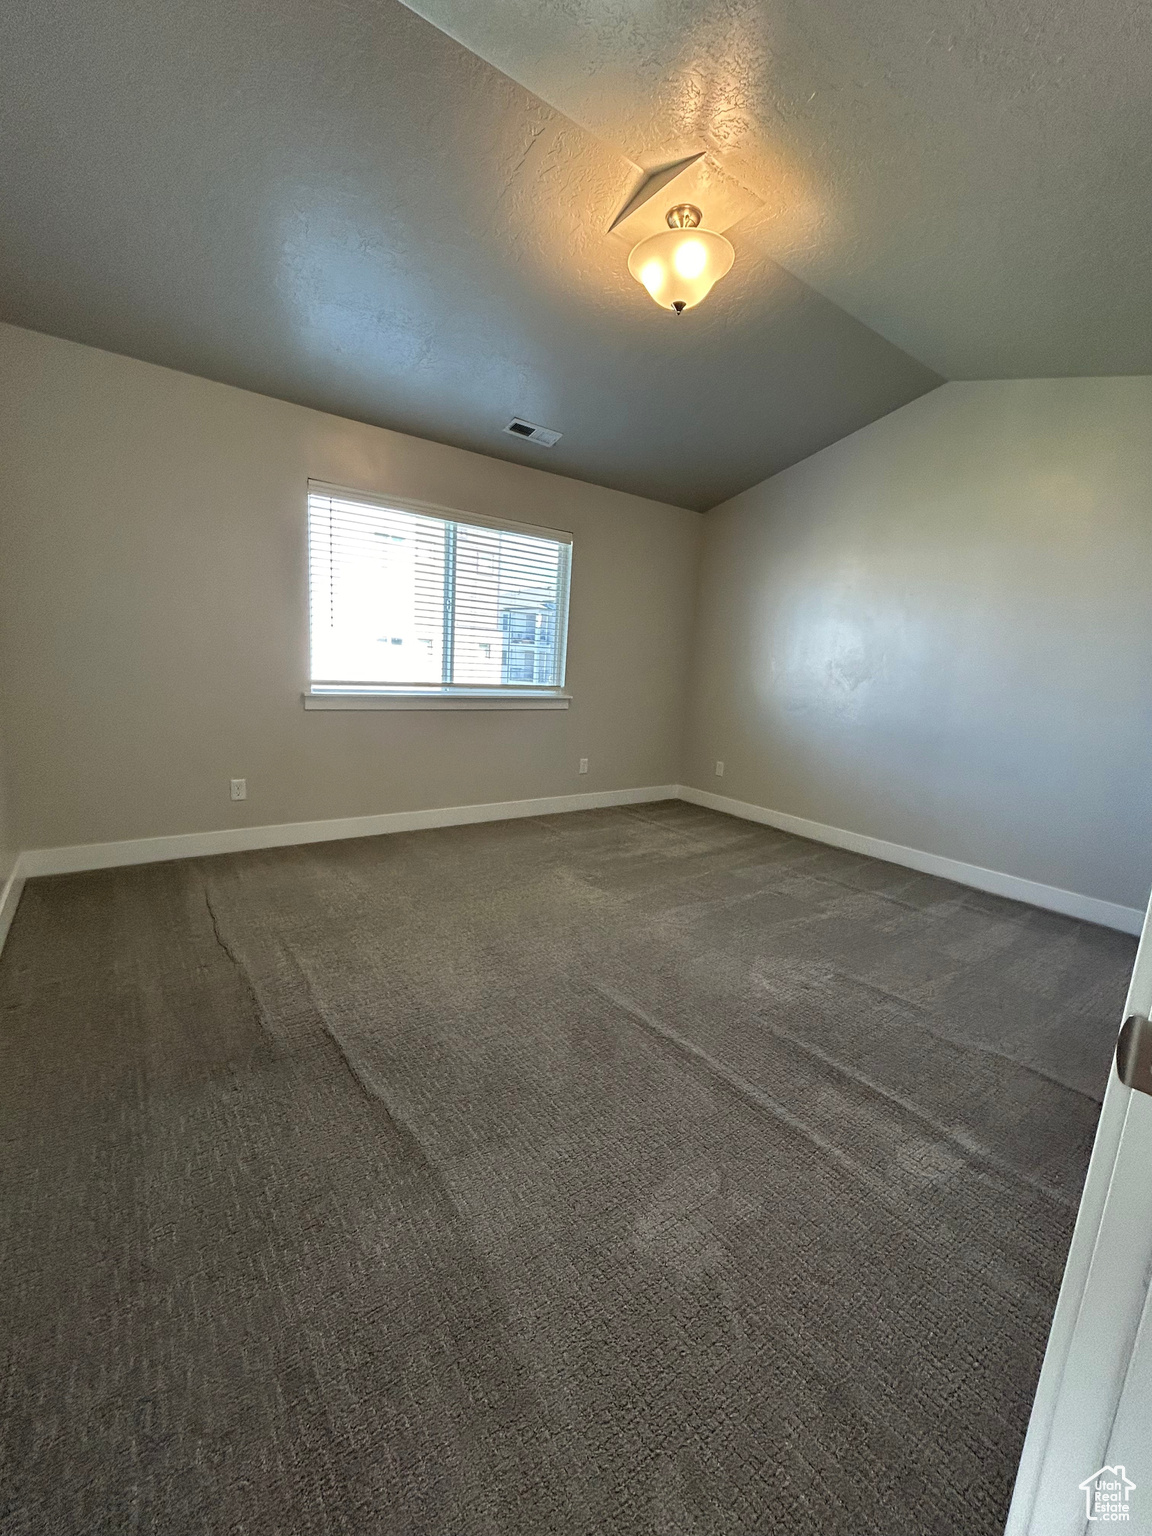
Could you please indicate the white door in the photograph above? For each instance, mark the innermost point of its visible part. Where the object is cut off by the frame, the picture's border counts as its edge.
(1087, 1460)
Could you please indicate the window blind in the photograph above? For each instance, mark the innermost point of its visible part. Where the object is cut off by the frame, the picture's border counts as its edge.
(408, 599)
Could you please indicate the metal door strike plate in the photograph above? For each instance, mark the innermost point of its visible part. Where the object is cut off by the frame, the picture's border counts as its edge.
(1134, 1053)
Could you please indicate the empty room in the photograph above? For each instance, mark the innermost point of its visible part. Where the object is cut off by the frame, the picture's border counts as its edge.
(575, 768)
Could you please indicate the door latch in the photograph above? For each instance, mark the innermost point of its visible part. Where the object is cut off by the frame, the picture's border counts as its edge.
(1134, 1053)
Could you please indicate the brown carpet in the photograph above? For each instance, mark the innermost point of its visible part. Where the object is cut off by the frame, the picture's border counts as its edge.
(634, 1171)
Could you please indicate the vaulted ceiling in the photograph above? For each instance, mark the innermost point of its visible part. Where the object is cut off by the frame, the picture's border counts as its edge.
(970, 178)
(404, 218)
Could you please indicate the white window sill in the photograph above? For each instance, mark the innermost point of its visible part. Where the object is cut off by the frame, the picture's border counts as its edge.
(436, 698)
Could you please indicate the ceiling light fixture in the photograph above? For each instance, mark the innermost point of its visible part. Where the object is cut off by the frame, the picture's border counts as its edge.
(679, 265)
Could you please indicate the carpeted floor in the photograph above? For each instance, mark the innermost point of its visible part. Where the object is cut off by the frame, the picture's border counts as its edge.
(634, 1171)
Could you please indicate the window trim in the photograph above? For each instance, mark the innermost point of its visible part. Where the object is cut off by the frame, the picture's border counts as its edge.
(434, 698)
(336, 696)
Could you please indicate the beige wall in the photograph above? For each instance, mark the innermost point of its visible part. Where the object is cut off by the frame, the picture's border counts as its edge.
(937, 632)
(153, 602)
(9, 847)
(8, 844)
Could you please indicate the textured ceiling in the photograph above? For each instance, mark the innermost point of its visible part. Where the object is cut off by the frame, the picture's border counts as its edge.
(971, 178)
(333, 202)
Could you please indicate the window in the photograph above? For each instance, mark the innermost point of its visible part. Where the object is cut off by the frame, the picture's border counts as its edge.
(413, 607)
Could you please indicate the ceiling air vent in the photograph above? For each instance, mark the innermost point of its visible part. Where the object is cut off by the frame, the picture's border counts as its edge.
(532, 433)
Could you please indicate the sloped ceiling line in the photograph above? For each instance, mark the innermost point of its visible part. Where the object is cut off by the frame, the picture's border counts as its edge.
(968, 179)
(342, 206)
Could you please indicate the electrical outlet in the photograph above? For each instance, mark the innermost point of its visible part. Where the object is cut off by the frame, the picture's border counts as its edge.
(719, 770)
(583, 765)
(239, 789)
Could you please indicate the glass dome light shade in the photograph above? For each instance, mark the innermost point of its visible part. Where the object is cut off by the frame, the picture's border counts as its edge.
(679, 266)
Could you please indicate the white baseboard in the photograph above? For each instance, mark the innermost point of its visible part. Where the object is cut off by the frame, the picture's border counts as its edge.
(193, 845)
(10, 899)
(190, 845)
(1090, 909)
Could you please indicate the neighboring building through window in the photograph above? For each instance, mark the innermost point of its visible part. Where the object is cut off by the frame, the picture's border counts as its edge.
(529, 626)
(404, 598)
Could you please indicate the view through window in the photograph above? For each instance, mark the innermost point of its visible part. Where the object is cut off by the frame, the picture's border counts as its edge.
(407, 599)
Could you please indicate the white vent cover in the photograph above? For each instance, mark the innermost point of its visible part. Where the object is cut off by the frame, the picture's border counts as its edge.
(531, 433)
